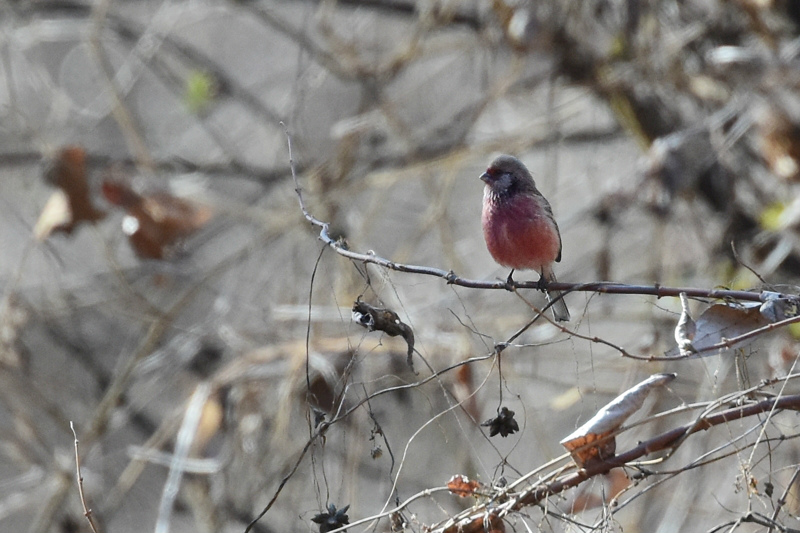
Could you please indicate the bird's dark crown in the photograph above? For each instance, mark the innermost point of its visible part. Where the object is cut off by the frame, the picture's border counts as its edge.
(510, 164)
(507, 176)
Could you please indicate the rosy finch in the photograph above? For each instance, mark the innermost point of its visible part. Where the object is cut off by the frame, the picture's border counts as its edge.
(518, 225)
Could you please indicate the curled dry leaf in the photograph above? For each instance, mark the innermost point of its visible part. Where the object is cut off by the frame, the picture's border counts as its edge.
(71, 204)
(721, 321)
(592, 441)
(461, 485)
(686, 328)
(155, 222)
(386, 320)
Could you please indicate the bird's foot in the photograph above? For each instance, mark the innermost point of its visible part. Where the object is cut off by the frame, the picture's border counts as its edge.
(510, 286)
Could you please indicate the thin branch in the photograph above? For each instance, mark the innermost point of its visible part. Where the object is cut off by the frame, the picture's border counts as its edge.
(373, 520)
(128, 125)
(727, 343)
(341, 247)
(535, 494)
(782, 499)
(741, 262)
(98, 423)
(603, 287)
(183, 444)
(323, 427)
(86, 511)
(95, 160)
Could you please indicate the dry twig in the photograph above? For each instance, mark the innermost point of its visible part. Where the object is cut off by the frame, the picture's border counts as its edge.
(87, 512)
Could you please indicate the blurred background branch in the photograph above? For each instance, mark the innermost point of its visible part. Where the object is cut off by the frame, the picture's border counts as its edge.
(151, 242)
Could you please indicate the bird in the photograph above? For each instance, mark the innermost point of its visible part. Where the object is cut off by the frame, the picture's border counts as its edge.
(518, 225)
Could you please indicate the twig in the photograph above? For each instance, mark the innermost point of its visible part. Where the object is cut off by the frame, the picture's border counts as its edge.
(86, 511)
(183, 444)
(321, 429)
(536, 494)
(602, 287)
(105, 408)
(101, 415)
(748, 267)
(473, 519)
(261, 174)
(372, 520)
(125, 120)
(782, 499)
(723, 344)
(727, 343)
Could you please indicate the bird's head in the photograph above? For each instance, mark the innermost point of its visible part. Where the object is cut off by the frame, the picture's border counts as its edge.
(507, 176)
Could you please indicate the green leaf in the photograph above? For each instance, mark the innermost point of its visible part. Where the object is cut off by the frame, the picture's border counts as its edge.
(200, 91)
(770, 218)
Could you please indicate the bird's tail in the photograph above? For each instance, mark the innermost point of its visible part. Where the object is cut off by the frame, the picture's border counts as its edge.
(559, 307)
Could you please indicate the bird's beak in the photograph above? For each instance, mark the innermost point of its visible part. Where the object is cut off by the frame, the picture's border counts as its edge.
(485, 177)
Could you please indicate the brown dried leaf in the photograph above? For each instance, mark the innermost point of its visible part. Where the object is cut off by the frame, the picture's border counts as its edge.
(779, 143)
(462, 486)
(591, 447)
(155, 222)
(591, 441)
(72, 203)
(463, 391)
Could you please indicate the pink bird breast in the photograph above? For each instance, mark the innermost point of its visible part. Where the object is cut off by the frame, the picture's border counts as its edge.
(519, 233)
